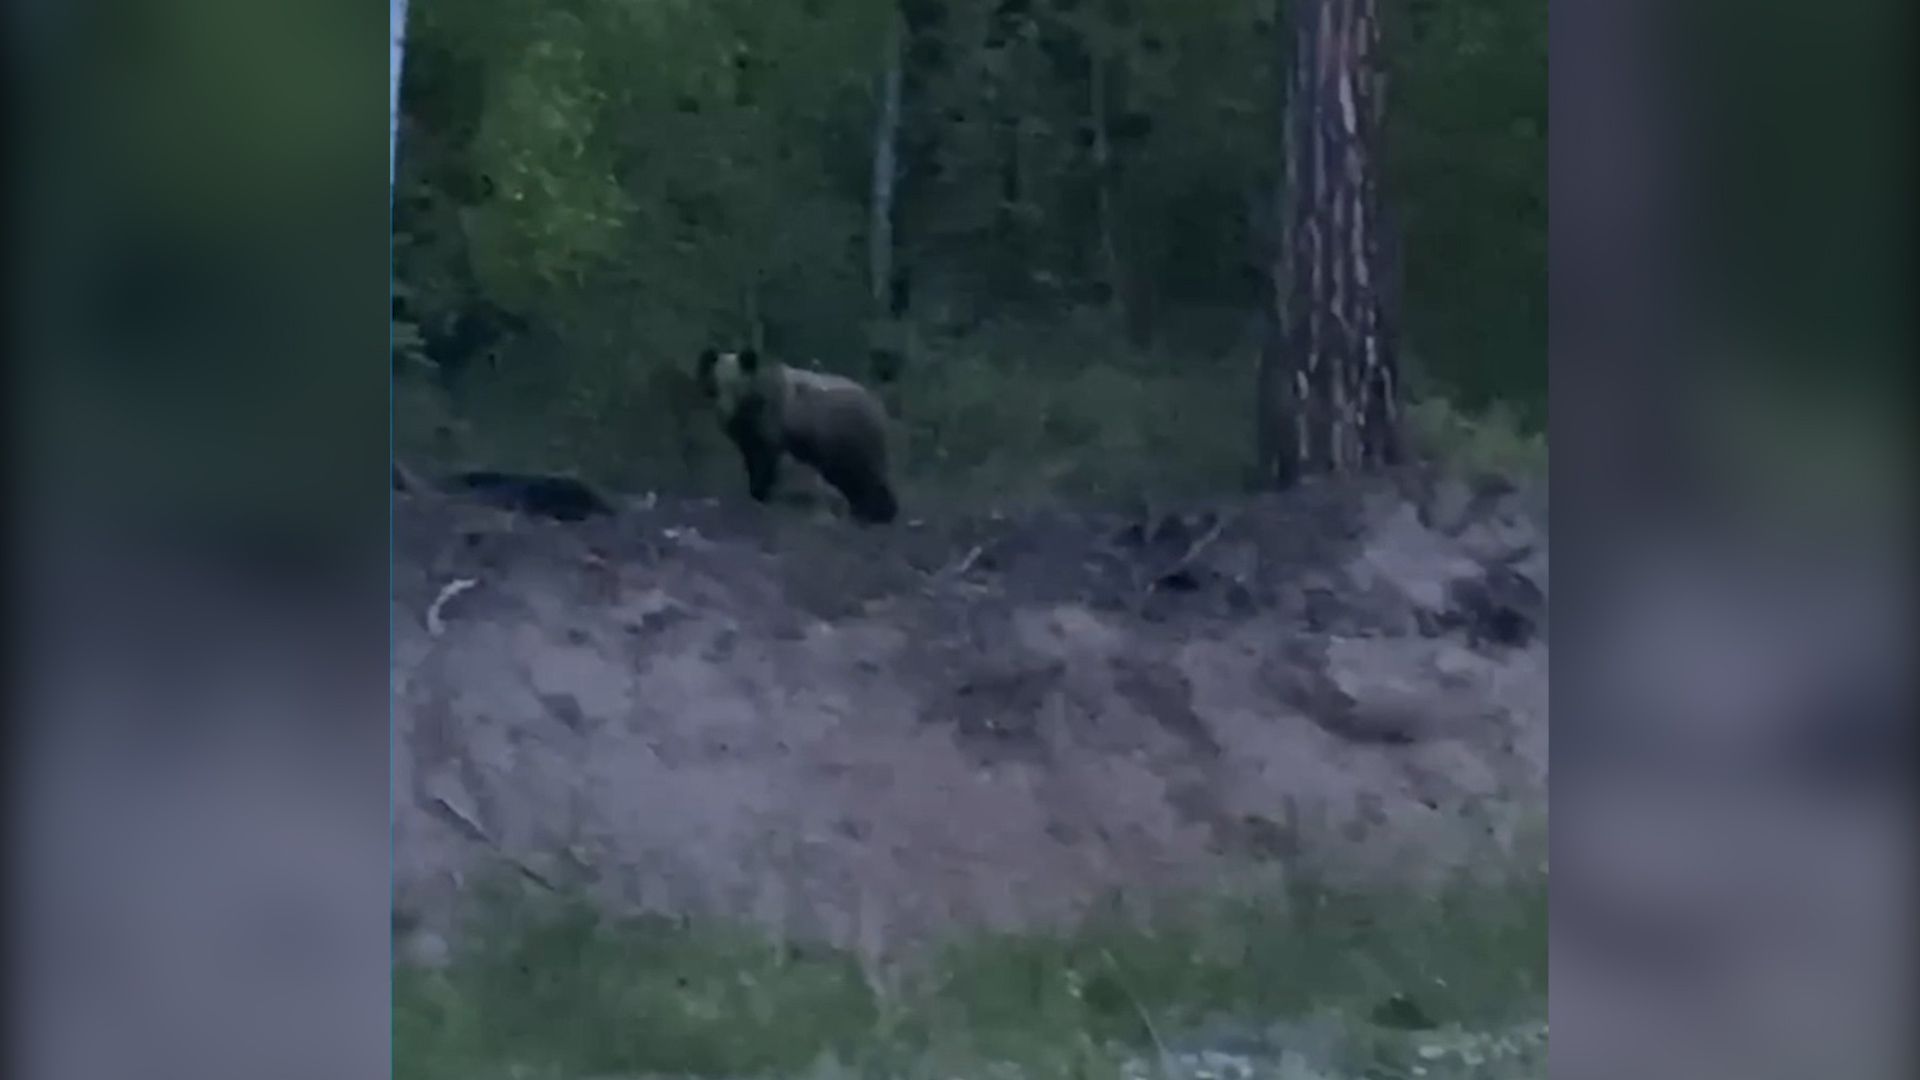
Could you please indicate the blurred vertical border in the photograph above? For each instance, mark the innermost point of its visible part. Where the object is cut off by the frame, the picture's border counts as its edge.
(199, 236)
(1731, 392)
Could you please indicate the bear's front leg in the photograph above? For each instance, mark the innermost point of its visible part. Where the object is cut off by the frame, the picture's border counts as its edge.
(763, 469)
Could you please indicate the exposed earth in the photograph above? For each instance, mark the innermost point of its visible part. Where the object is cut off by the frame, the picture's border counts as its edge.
(877, 735)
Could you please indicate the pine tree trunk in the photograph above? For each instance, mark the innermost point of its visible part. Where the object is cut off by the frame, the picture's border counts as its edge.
(1329, 379)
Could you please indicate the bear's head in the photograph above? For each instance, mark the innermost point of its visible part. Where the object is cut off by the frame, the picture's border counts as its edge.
(732, 380)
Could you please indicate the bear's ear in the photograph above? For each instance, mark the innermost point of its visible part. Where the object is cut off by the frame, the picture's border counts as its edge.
(749, 360)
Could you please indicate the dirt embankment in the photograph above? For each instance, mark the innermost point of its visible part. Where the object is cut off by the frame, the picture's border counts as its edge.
(873, 735)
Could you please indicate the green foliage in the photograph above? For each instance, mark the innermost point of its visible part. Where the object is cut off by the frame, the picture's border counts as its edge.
(628, 998)
(639, 180)
(1467, 139)
(1013, 414)
(1408, 985)
(1492, 442)
(203, 215)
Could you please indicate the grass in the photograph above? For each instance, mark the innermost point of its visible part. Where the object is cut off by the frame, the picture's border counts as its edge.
(1074, 417)
(1333, 984)
(1490, 442)
(1001, 417)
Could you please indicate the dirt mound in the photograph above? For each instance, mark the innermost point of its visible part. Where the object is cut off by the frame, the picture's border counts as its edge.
(872, 735)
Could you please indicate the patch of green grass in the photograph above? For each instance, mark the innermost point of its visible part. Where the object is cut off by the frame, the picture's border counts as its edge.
(571, 992)
(1413, 983)
(1007, 421)
(1003, 416)
(1490, 442)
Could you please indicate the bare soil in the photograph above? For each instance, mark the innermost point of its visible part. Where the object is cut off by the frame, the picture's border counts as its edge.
(878, 735)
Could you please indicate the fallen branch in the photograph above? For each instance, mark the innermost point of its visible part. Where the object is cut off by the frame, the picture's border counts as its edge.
(966, 564)
(407, 481)
(952, 571)
(435, 626)
(1193, 552)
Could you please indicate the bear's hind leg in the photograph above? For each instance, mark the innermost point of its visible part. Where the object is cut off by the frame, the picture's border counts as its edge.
(869, 496)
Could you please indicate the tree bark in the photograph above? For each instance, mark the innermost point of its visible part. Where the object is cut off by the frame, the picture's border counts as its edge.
(1103, 181)
(886, 351)
(1329, 378)
(397, 47)
(886, 142)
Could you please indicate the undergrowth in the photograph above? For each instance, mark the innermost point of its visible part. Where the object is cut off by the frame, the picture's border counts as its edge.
(1000, 417)
(1339, 984)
